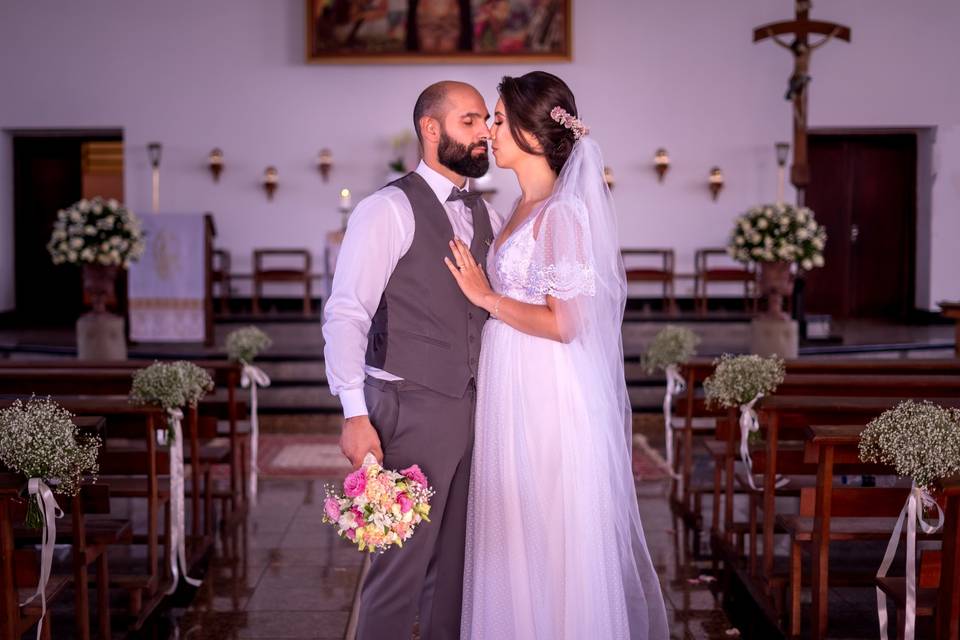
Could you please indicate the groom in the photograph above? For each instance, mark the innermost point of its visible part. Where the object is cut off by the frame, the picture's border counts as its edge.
(402, 346)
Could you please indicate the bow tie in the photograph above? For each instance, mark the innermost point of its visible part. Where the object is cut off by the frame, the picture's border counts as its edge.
(470, 198)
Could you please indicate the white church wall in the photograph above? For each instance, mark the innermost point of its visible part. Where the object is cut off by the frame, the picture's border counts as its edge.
(682, 75)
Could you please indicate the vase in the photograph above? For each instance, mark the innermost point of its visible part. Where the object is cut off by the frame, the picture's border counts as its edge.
(776, 283)
(100, 335)
(99, 283)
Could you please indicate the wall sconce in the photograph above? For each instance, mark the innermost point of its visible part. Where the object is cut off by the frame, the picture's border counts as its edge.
(325, 163)
(154, 150)
(661, 162)
(215, 160)
(346, 205)
(608, 178)
(271, 178)
(716, 182)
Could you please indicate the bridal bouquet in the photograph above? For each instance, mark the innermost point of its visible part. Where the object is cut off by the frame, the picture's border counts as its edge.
(738, 380)
(379, 508)
(672, 345)
(921, 440)
(778, 232)
(96, 231)
(38, 439)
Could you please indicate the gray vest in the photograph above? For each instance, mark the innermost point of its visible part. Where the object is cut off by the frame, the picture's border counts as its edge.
(425, 330)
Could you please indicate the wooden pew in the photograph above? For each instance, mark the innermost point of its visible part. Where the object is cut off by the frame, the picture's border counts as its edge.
(72, 382)
(831, 446)
(226, 375)
(19, 574)
(694, 417)
(133, 474)
(785, 413)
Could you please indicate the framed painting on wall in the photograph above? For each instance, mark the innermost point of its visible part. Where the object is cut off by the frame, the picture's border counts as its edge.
(430, 31)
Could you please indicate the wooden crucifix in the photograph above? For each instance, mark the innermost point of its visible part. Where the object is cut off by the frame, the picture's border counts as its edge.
(801, 28)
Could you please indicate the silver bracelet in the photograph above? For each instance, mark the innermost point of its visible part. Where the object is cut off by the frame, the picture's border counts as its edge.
(496, 308)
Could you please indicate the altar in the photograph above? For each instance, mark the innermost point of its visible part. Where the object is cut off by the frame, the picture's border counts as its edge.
(170, 286)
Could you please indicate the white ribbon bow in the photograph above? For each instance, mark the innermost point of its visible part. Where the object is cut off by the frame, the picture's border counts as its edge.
(50, 511)
(253, 377)
(749, 423)
(178, 555)
(919, 500)
(675, 385)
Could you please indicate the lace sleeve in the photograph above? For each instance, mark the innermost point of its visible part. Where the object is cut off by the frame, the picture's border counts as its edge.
(562, 266)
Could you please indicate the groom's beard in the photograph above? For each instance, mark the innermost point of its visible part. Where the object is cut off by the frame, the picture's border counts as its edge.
(459, 157)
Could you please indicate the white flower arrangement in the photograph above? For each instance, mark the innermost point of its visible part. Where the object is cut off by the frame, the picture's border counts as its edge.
(672, 345)
(778, 233)
(96, 231)
(737, 380)
(245, 344)
(170, 385)
(921, 440)
(39, 440)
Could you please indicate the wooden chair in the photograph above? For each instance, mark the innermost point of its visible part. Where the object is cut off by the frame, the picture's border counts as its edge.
(220, 275)
(262, 274)
(727, 273)
(663, 274)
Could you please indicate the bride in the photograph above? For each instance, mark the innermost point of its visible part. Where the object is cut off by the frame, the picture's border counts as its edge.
(555, 548)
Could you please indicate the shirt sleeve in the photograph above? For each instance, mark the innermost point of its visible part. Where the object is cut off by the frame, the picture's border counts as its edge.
(373, 244)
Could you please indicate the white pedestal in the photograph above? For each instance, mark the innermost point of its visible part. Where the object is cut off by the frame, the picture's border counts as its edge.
(774, 337)
(100, 336)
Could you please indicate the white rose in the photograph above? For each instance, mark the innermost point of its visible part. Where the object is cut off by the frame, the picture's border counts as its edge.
(818, 260)
(768, 256)
(115, 240)
(802, 234)
(76, 243)
(756, 252)
(97, 208)
(103, 259)
(90, 230)
(115, 256)
(87, 255)
(71, 256)
(755, 237)
(104, 246)
(762, 223)
(818, 243)
(75, 216)
(112, 204)
(806, 264)
(83, 206)
(739, 241)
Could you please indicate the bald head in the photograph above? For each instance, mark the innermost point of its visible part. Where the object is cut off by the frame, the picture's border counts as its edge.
(436, 100)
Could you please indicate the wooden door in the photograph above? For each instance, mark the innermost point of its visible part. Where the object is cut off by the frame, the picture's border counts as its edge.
(48, 176)
(863, 188)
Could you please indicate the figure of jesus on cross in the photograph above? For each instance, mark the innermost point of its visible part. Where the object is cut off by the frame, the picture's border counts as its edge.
(801, 29)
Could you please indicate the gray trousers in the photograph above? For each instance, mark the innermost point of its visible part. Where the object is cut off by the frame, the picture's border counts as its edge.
(419, 426)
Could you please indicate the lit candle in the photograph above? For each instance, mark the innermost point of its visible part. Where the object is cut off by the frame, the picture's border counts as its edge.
(345, 200)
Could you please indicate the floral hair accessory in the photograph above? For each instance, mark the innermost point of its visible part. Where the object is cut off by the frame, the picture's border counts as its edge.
(573, 123)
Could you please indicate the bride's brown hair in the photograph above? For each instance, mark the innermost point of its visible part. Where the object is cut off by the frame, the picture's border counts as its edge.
(529, 100)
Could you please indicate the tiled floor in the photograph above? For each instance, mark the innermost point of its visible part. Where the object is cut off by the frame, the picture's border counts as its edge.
(297, 579)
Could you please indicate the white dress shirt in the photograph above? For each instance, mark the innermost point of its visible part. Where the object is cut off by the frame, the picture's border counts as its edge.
(379, 233)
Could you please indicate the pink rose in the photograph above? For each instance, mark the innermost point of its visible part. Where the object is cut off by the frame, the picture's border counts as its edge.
(405, 502)
(414, 474)
(355, 483)
(332, 508)
(351, 534)
(359, 516)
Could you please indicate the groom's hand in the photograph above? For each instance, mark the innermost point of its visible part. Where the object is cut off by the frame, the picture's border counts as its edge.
(359, 438)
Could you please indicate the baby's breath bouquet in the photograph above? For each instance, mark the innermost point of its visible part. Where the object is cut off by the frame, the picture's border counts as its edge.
(778, 233)
(243, 345)
(96, 231)
(672, 345)
(921, 440)
(170, 385)
(39, 440)
(737, 380)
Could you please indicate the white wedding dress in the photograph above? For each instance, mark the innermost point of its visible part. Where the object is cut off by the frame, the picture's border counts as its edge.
(554, 548)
